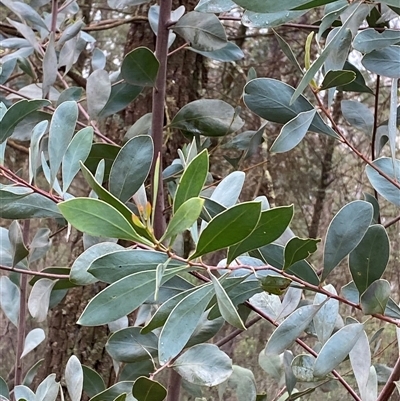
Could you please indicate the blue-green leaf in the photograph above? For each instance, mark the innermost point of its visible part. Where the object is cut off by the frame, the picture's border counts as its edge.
(345, 232)
(62, 127)
(369, 259)
(78, 150)
(270, 99)
(293, 132)
(385, 188)
(140, 67)
(131, 167)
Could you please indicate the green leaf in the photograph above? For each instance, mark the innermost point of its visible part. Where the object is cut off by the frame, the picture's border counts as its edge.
(114, 202)
(74, 93)
(208, 117)
(4, 388)
(204, 31)
(358, 115)
(128, 345)
(131, 167)
(358, 85)
(39, 299)
(303, 368)
(49, 65)
(32, 340)
(132, 371)
(140, 67)
(9, 299)
(288, 52)
(392, 169)
(99, 152)
(30, 207)
(16, 114)
(345, 232)
(360, 359)
(161, 314)
(337, 348)
(121, 4)
(222, 232)
(334, 45)
(114, 391)
(78, 150)
(375, 297)
(94, 216)
(140, 127)
(92, 381)
(205, 330)
(290, 329)
(274, 255)
(19, 250)
(384, 62)
(122, 94)
(192, 180)
(225, 305)
(182, 322)
(145, 389)
(228, 190)
(270, 99)
(204, 365)
(369, 39)
(334, 78)
(28, 13)
(298, 249)
(230, 52)
(325, 320)
(48, 389)
(293, 132)
(374, 202)
(270, 6)
(116, 264)
(62, 127)
(243, 383)
(184, 218)
(74, 378)
(271, 226)
(274, 283)
(214, 6)
(31, 373)
(369, 259)
(269, 20)
(23, 393)
(271, 364)
(98, 90)
(121, 298)
(79, 274)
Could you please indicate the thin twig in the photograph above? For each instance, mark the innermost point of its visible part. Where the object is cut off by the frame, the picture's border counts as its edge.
(390, 385)
(293, 278)
(391, 222)
(18, 180)
(178, 49)
(22, 314)
(54, 12)
(158, 103)
(375, 130)
(109, 24)
(51, 276)
(236, 332)
(350, 145)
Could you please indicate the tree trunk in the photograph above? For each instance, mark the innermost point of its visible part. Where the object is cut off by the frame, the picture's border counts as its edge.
(186, 75)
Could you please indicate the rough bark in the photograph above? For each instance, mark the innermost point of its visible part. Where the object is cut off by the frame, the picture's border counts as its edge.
(66, 338)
